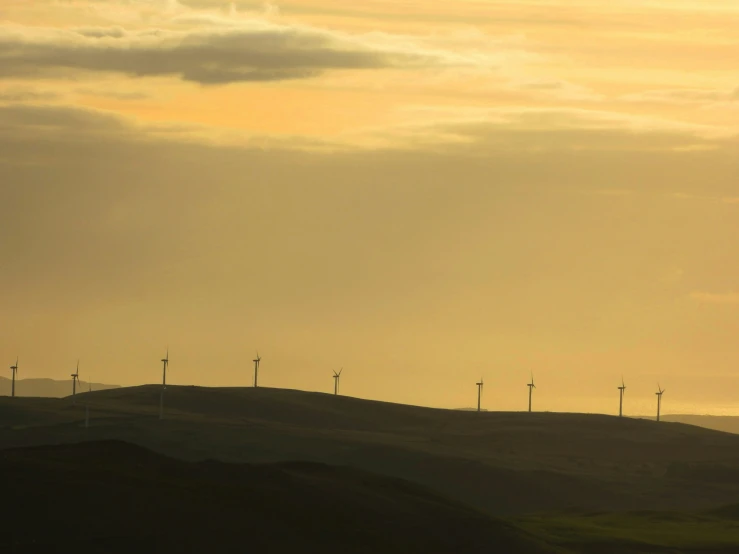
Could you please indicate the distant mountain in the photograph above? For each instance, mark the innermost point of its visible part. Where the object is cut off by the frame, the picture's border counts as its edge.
(728, 424)
(48, 388)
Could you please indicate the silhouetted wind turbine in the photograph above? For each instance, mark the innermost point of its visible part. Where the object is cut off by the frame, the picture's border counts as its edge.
(256, 370)
(14, 370)
(337, 376)
(622, 390)
(165, 363)
(75, 380)
(659, 399)
(531, 386)
(479, 393)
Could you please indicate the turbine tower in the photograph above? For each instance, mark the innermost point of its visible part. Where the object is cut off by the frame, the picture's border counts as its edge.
(14, 370)
(479, 393)
(161, 402)
(531, 386)
(256, 369)
(659, 399)
(337, 376)
(75, 380)
(622, 390)
(165, 363)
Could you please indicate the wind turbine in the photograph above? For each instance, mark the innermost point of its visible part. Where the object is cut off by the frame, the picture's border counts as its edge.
(75, 380)
(87, 414)
(479, 393)
(659, 399)
(336, 381)
(622, 391)
(14, 370)
(165, 362)
(531, 386)
(256, 369)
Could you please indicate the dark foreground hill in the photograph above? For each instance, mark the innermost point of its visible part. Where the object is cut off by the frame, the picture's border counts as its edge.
(113, 497)
(501, 463)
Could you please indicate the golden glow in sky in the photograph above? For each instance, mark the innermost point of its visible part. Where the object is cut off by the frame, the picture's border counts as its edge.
(422, 192)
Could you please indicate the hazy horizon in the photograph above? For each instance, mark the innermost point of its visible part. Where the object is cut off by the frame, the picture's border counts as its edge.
(596, 405)
(421, 192)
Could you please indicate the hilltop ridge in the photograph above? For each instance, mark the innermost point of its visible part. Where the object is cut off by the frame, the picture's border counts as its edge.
(47, 388)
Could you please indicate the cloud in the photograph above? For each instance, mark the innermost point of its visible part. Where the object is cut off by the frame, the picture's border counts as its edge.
(115, 94)
(560, 89)
(25, 123)
(253, 50)
(716, 298)
(20, 94)
(682, 96)
(462, 131)
(515, 129)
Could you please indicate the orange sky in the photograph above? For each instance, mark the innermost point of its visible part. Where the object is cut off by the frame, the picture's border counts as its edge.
(421, 192)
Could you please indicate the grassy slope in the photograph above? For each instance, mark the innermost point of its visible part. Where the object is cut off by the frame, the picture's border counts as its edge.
(503, 463)
(117, 498)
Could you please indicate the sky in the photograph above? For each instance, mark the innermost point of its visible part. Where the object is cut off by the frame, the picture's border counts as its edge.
(420, 192)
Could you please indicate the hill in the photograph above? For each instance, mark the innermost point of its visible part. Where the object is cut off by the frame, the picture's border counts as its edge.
(501, 463)
(47, 388)
(114, 497)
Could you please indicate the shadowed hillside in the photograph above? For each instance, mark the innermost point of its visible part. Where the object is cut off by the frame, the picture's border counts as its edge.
(503, 463)
(47, 388)
(118, 498)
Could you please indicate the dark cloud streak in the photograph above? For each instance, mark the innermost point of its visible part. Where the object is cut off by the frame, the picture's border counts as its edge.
(213, 56)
